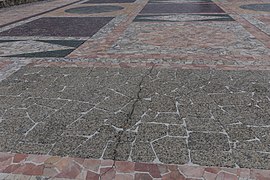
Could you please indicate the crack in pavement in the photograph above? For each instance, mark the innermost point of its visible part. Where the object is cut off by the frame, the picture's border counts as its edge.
(127, 121)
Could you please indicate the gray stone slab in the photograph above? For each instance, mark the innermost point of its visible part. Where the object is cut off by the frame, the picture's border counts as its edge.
(205, 141)
(212, 157)
(164, 115)
(172, 150)
(203, 124)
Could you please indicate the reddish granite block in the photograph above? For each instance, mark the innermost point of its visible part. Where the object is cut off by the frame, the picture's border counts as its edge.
(192, 171)
(11, 168)
(72, 171)
(92, 176)
(30, 169)
(107, 173)
(143, 176)
(123, 177)
(226, 176)
(92, 165)
(173, 175)
(151, 168)
(124, 167)
(19, 157)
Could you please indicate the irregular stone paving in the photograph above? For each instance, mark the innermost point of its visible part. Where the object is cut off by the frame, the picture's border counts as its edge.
(35, 167)
(202, 117)
(157, 89)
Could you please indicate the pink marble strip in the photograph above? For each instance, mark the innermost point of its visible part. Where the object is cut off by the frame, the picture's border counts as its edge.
(188, 65)
(78, 168)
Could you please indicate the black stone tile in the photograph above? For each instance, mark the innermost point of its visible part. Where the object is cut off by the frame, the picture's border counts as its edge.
(70, 43)
(5, 41)
(166, 1)
(257, 7)
(60, 26)
(193, 17)
(93, 9)
(108, 1)
(181, 8)
(58, 53)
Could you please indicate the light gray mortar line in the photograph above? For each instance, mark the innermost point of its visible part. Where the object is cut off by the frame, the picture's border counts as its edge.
(131, 149)
(51, 148)
(263, 152)
(116, 92)
(36, 123)
(27, 115)
(42, 107)
(156, 160)
(185, 127)
(228, 137)
(120, 134)
(82, 114)
(266, 126)
(120, 110)
(104, 150)
(183, 137)
(88, 137)
(255, 139)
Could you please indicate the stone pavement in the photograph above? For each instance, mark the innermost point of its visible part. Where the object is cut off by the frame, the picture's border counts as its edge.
(145, 89)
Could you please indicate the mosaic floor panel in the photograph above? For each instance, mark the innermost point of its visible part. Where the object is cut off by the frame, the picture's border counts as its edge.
(145, 89)
(206, 37)
(60, 26)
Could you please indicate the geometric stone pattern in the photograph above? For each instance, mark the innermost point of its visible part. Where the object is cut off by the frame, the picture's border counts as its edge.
(93, 9)
(37, 167)
(38, 48)
(176, 38)
(204, 117)
(60, 26)
(183, 18)
(151, 8)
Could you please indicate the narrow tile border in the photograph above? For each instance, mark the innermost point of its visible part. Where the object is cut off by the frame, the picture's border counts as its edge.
(252, 65)
(77, 168)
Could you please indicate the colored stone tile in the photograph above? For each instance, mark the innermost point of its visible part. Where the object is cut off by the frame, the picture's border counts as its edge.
(183, 18)
(71, 171)
(92, 165)
(152, 169)
(93, 9)
(59, 26)
(91, 175)
(257, 7)
(181, 8)
(30, 169)
(107, 173)
(108, 1)
(124, 167)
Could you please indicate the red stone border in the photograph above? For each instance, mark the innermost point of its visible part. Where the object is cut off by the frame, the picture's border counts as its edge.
(250, 66)
(91, 169)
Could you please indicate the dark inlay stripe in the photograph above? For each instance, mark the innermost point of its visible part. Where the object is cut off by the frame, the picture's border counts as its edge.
(38, 14)
(57, 53)
(60, 26)
(181, 8)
